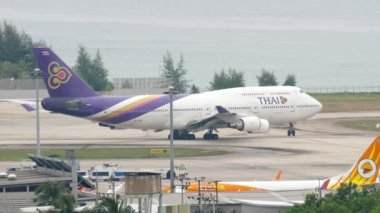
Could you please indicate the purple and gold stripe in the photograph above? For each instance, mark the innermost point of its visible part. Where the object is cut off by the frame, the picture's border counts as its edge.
(137, 108)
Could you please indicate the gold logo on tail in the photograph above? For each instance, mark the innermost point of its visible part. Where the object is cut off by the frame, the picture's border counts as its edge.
(367, 168)
(57, 75)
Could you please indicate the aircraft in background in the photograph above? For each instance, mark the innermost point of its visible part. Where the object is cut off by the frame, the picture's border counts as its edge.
(363, 172)
(249, 109)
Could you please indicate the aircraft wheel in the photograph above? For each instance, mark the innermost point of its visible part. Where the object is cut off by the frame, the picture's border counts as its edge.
(215, 136)
(184, 136)
(291, 130)
(175, 137)
(191, 137)
(210, 136)
(205, 137)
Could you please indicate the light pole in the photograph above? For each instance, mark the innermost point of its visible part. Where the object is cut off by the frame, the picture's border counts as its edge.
(217, 193)
(74, 173)
(182, 188)
(199, 180)
(37, 73)
(171, 88)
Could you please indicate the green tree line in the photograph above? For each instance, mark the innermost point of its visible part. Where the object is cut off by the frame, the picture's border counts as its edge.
(231, 78)
(92, 70)
(346, 199)
(16, 55)
(17, 61)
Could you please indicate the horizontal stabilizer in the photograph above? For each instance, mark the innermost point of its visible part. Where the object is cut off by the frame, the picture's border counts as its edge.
(28, 107)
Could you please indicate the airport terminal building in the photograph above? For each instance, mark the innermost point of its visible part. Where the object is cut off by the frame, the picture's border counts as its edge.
(19, 190)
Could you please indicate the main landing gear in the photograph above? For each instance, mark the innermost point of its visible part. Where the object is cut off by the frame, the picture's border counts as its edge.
(185, 135)
(291, 130)
(210, 136)
(182, 135)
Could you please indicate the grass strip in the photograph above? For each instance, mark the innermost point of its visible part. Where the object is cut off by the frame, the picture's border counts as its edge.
(348, 102)
(367, 125)
(108, 153)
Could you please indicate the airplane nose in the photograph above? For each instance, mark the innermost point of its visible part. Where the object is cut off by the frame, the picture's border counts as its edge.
(320, 106)
(317, 104)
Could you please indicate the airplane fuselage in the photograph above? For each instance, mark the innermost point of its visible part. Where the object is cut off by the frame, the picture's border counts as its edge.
(249, 109)
(278, 105)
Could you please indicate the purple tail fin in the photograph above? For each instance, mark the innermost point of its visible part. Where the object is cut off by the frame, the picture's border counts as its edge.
(61, 81)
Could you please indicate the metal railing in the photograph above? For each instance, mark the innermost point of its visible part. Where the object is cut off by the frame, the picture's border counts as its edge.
(153, 84)
(343, 89)
(19, 84)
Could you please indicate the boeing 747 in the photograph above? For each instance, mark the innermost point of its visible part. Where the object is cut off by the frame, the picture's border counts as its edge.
(249, 109)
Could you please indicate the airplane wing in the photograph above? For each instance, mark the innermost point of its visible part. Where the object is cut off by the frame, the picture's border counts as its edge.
(226, 119)
(27, 105)
(30, 106)
(220, 119)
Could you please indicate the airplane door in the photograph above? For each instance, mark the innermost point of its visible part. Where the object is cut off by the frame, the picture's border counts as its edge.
(255, 107)
(207, 110)
(291, 101)
(292, 108)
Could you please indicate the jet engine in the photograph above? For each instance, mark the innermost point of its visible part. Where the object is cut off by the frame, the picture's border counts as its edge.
(251, 124)
(12, 177)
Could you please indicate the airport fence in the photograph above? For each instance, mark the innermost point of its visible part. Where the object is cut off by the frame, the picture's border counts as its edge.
(150, 85)
(140, 83)
(19, 84)
(343, 89)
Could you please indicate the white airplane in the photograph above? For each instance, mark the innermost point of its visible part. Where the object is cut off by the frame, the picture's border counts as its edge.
(363, 172)
(249, 109)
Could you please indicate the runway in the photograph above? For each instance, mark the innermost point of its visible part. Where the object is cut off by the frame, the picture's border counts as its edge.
(320, 148)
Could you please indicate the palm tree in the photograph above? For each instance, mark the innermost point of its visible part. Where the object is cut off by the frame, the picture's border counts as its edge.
(66, 204)
(55, 194)
(116, 205)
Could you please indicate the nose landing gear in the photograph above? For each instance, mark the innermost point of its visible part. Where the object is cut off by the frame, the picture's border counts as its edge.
(291, 130)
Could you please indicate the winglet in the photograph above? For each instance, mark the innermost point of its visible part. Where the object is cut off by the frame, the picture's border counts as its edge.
(325, 184)
(221, 109)
(278, 175)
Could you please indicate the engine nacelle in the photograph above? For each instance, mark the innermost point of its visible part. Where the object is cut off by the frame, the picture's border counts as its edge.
(12, 177)
(251, 124)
